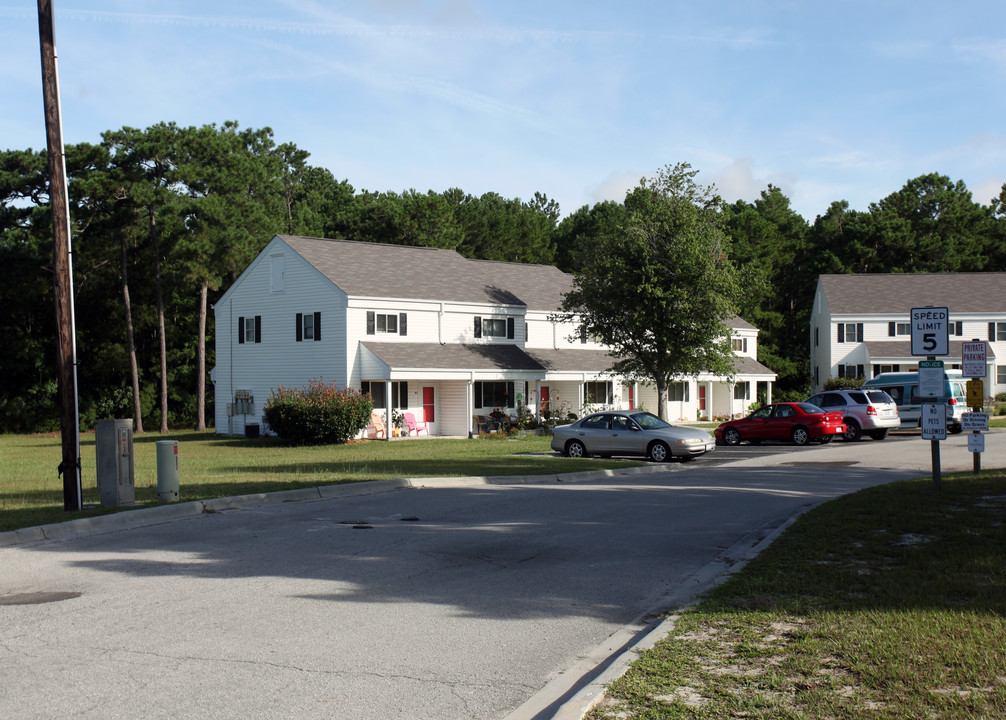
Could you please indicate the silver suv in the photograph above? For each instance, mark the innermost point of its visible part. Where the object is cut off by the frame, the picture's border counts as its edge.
(873, 412)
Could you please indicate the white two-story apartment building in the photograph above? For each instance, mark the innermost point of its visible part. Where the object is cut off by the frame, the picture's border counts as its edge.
(428, 330)
(860, 324)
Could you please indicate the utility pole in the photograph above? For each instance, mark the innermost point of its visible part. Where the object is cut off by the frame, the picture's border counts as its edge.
(69, 420)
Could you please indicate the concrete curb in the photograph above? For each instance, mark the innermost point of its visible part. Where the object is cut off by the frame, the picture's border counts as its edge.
(614, 656)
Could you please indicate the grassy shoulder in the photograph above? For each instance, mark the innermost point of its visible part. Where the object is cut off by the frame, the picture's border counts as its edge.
(31, 493)
(887, 603)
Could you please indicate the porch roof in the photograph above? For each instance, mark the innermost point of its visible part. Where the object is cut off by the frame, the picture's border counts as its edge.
(457, 357)
(901, 351)
(572, 359)
(744, 365)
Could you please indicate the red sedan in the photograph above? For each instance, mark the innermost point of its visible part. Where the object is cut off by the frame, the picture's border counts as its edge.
(798, 421)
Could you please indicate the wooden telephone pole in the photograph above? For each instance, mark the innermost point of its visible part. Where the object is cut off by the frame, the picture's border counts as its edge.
(69, 423)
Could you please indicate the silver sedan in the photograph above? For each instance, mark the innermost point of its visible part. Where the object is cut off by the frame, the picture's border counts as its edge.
(630, 432)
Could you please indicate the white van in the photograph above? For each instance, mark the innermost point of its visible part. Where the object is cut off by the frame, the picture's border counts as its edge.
(904, 388)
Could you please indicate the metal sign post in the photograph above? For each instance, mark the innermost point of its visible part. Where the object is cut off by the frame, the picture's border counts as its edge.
(931, 337)
(974, 359)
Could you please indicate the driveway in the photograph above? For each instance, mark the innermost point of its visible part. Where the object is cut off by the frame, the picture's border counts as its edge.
(450, 599)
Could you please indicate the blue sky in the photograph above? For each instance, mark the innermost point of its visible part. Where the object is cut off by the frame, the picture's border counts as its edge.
(844, 100)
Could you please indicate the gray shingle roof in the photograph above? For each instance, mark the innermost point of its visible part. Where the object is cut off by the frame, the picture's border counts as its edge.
(364, 269)
(902, 349)
(572, 360)
(885, 294)
(456, 356)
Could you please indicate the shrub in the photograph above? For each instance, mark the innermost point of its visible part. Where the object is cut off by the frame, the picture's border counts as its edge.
(319, 413)
(1001, 397)
(846, 383)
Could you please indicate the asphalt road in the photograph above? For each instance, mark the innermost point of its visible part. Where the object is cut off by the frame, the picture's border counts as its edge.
(459, 599)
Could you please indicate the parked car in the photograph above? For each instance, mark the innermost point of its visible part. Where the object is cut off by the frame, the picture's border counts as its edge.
(798, 421)
(870, 411)
(629, 432)
(903, 387)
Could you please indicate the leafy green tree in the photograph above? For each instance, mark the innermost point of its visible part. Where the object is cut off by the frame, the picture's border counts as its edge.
(661, 291)
(576, 234)
(769, 243)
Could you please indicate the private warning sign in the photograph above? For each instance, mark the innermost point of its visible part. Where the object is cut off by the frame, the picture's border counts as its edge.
(973, 359)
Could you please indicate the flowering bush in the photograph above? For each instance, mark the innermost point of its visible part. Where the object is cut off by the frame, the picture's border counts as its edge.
(320, 413)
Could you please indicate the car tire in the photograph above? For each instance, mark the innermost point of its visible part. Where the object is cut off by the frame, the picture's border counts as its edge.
(825, 439)
(800, 435)
(659, 452)
(731, 436)
(852, 430)
(878, 434)
(576, 449)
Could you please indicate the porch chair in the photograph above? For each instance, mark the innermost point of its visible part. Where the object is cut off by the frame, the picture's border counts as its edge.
(412, 424)
(376, 427)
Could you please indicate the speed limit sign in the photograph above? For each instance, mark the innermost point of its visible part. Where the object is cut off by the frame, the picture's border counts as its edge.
(930, 331)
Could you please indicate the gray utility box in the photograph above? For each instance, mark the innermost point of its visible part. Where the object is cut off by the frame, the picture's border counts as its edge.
(113, 442)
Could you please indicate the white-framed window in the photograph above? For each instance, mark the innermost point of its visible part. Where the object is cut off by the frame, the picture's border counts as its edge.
(387, 323)
(739, 345)
(376, 390)
(850, 371)
(997, 330)
(742, 391)
(308, 326)
(678, 391)
(956, 328)
(1000, 374)
(250, 329)
(494, 394)
(597, 392)
(498, 327)
(850, 332)
(494, 327)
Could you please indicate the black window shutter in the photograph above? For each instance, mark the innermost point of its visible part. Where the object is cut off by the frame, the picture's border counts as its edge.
(365, 387)
(370, 322)
(992, 332)
(317, 326)
(959, 328)
(860, 371)
(300, 327)
(509, 328)
(258, 328)
(583, 334)
(510, 402)
(478, 394)
(859, 332)
(403, 324)
(478, 327)
(403, 395)
(891, 329)
(241, 330)
(841, 334)
(841, 371)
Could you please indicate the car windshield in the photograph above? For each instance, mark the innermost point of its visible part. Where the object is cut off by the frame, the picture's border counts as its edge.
(648, 421)
(810, 409)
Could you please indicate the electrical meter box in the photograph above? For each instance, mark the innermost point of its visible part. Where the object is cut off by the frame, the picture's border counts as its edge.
(113, 442)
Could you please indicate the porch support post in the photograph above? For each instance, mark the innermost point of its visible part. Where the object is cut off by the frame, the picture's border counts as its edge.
(388, 417)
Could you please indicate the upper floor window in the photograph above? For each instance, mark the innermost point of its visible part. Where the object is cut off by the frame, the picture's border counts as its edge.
(250, 329)
(956, 328)
(308, 326)
(898, 328)
(494, 327)
(739, 344)
(850, 332)
(382, 323)
(997, 330)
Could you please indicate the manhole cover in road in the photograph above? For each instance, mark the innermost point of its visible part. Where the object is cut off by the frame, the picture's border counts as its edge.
(843, 463)
(37, 598)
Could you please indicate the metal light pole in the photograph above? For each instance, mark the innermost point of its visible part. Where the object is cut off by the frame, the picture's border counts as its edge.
(59, 199)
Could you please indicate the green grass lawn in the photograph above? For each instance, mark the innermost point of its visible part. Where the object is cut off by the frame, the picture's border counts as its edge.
(887, 603)
(31, 493)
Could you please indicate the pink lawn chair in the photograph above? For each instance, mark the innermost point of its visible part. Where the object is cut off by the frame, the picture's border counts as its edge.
(413, 425)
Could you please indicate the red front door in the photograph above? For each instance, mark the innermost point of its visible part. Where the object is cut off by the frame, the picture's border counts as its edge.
(428, 415)
(544, 398)
(702, 397)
